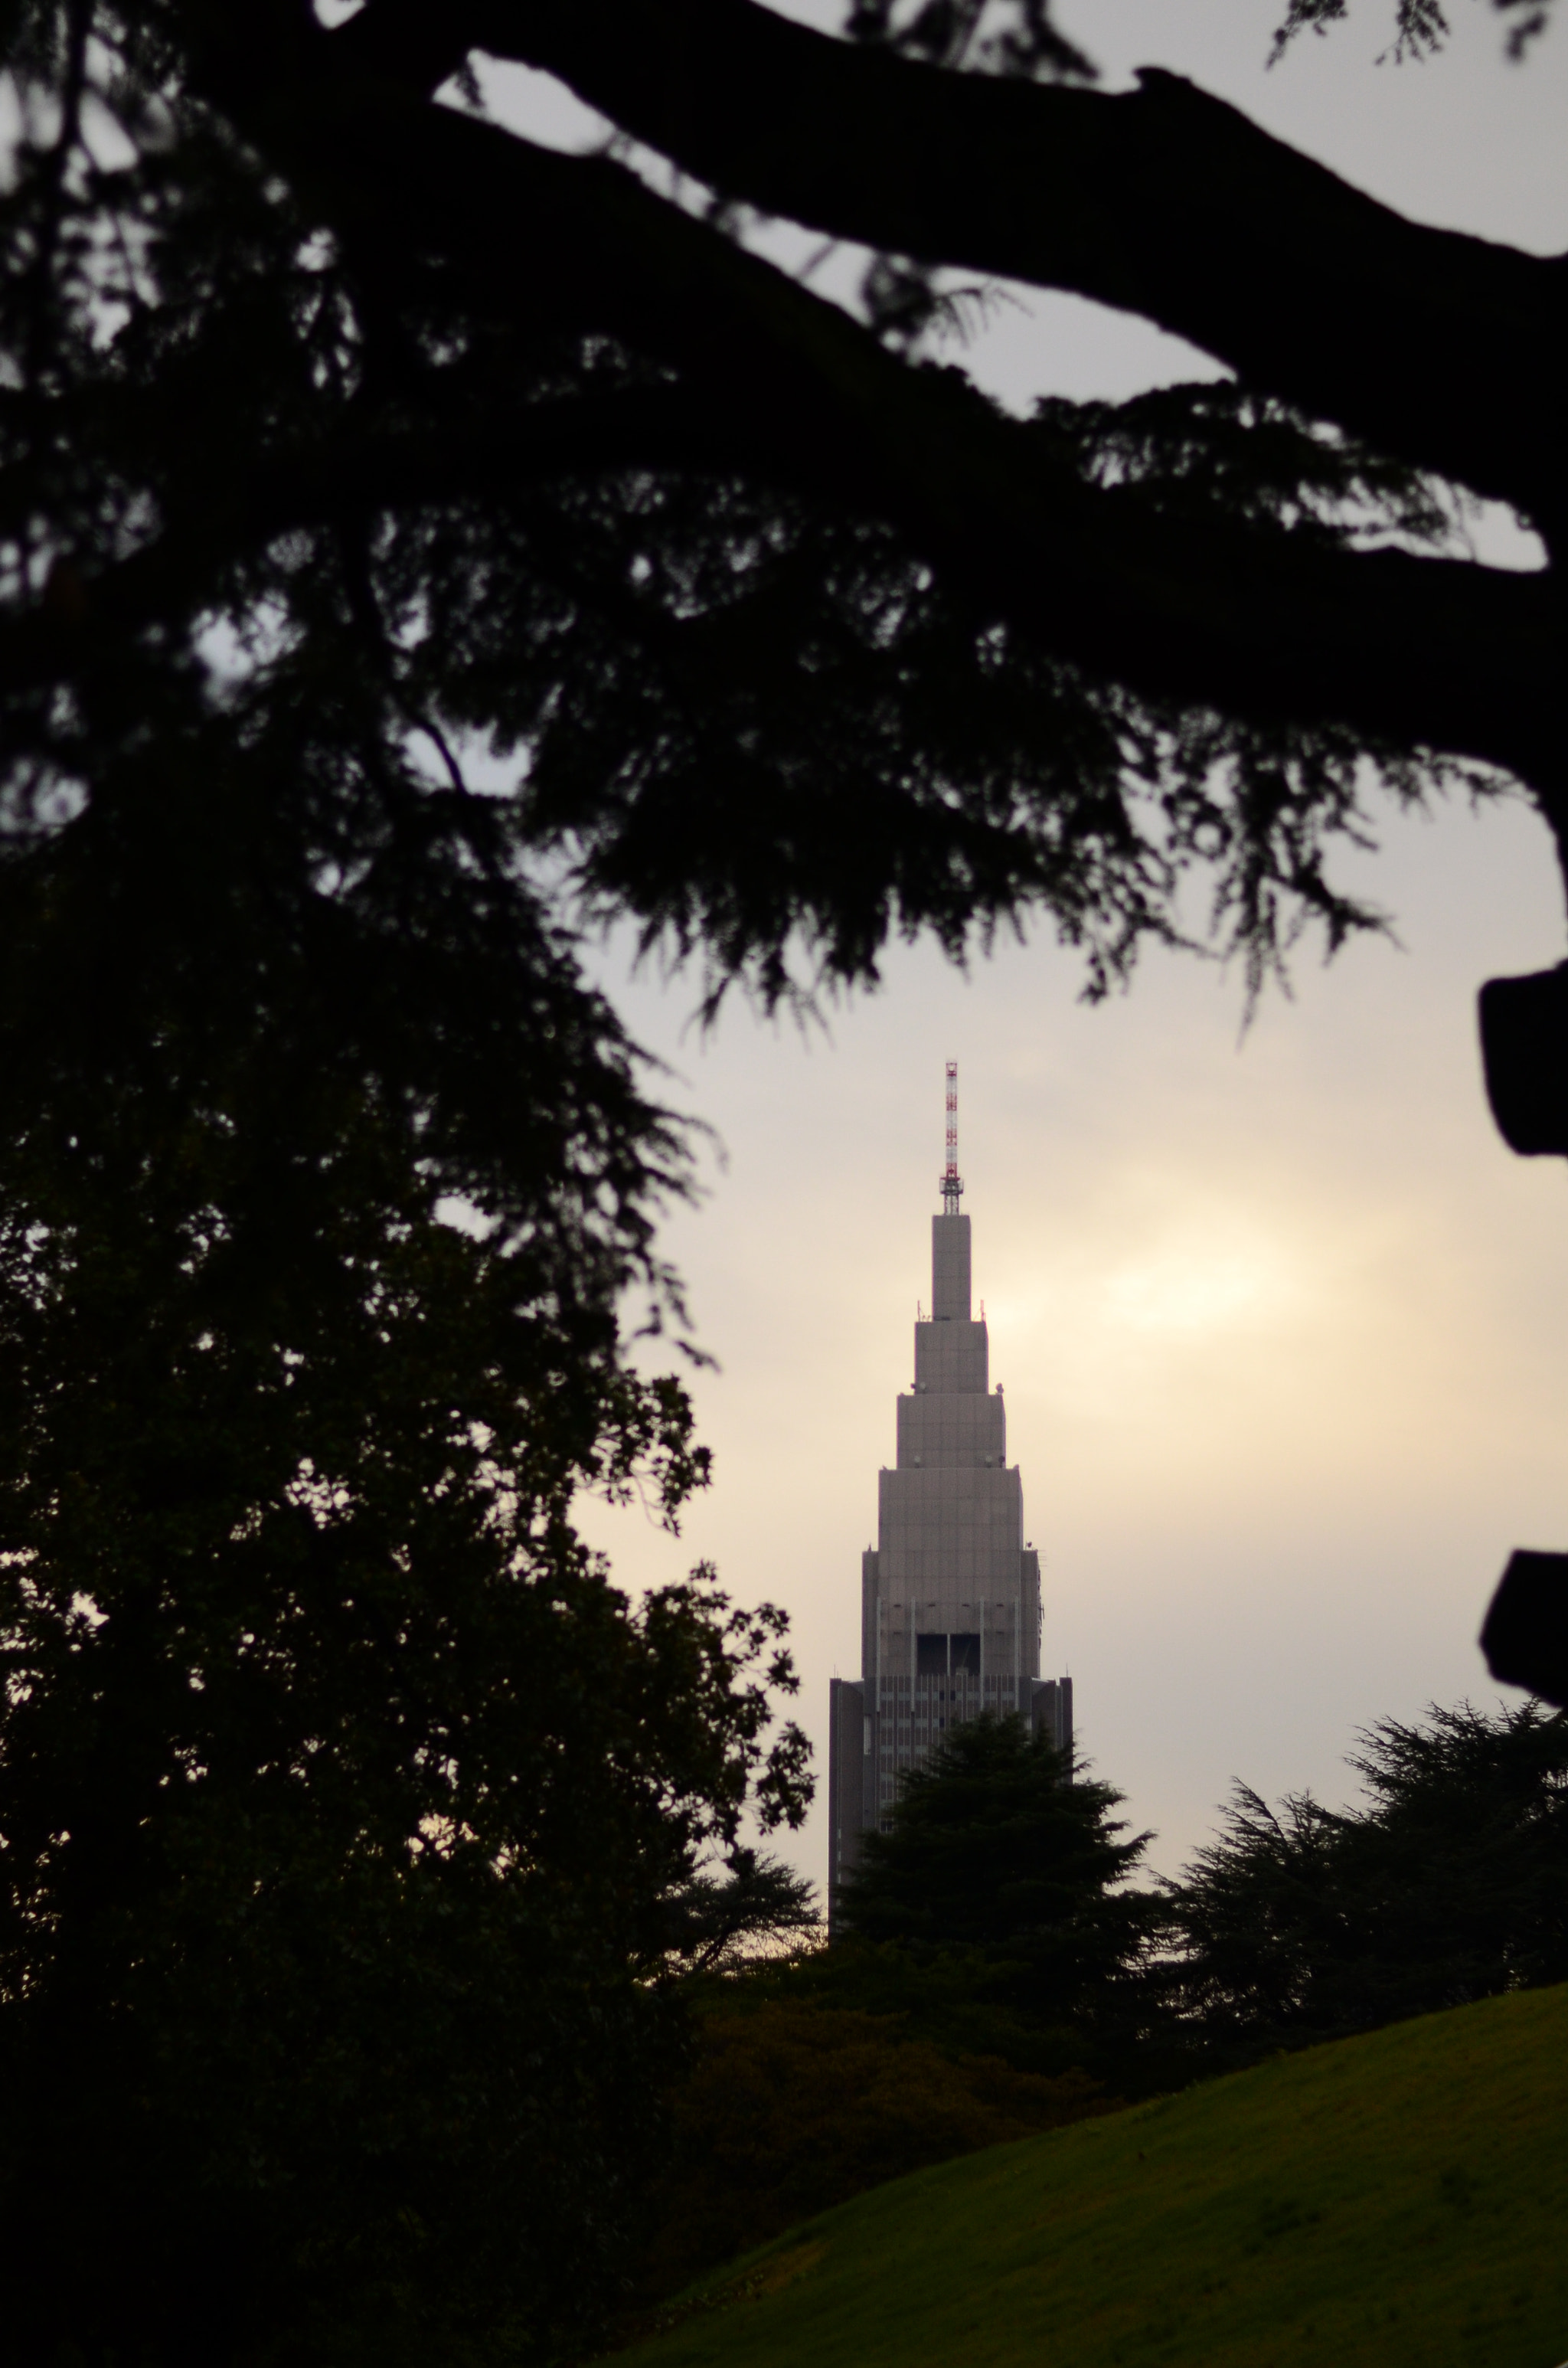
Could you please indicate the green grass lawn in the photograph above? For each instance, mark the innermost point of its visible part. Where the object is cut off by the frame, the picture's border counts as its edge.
(1400, 2199)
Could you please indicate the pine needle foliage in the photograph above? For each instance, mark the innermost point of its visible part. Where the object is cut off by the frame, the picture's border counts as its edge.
(1448, 1881)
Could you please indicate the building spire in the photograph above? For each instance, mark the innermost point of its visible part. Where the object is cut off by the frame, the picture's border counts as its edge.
(950, 1183)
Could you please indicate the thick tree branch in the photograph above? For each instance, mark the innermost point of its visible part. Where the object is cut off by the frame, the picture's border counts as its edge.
(1164, 201)
(1262, 624)
(1419, 652)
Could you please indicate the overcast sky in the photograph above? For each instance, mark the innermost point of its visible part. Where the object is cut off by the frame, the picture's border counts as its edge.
(1280, 1319)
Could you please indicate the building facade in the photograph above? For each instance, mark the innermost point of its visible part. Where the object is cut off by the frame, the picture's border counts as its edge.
(950, 1594)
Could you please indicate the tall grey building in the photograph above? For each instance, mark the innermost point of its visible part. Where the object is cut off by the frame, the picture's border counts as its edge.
(949, 1595)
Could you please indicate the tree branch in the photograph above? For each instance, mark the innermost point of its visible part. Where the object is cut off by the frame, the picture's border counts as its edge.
(1164, 201)
(1257, 622)
(1417, 651)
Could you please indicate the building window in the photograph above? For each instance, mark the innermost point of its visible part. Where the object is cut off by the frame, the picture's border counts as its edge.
(939, 1655)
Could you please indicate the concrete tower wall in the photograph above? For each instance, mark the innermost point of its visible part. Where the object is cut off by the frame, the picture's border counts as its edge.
(849, 1758)
(870, 1595)
(1052, 1713)
(1030, 1621)
(949, 1270)
(949, 1530)
(968, 1431)
(950, 1357)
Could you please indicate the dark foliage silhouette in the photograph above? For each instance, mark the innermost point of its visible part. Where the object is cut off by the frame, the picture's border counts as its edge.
(1450, 1883)
(995, 1911)
(791, 2107)
(781, 635)
(347, 1806)
(396, 517)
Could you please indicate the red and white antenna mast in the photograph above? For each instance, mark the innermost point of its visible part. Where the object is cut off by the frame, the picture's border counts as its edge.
(950, 1183)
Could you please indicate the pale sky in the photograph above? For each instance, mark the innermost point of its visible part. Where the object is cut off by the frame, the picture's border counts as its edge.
(1280, 1319)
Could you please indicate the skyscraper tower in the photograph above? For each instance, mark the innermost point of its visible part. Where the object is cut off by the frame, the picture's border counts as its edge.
(950, 1594)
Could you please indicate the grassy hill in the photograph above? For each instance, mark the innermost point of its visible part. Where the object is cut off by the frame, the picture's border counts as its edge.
(1400, 2199)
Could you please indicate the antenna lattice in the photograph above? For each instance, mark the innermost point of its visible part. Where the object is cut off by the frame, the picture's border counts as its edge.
(950, 1183)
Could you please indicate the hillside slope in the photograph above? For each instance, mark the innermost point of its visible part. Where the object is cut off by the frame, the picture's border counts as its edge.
(1400, 2199)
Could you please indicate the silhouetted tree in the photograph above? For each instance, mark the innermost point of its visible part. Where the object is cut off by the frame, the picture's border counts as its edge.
(343, 1799)
(1450, 1884)
(394, 516)
(338, 417)
(999, 1850)
(723, 1920)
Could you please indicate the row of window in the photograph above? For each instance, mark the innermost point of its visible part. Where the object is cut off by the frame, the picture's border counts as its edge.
(960, 1690)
